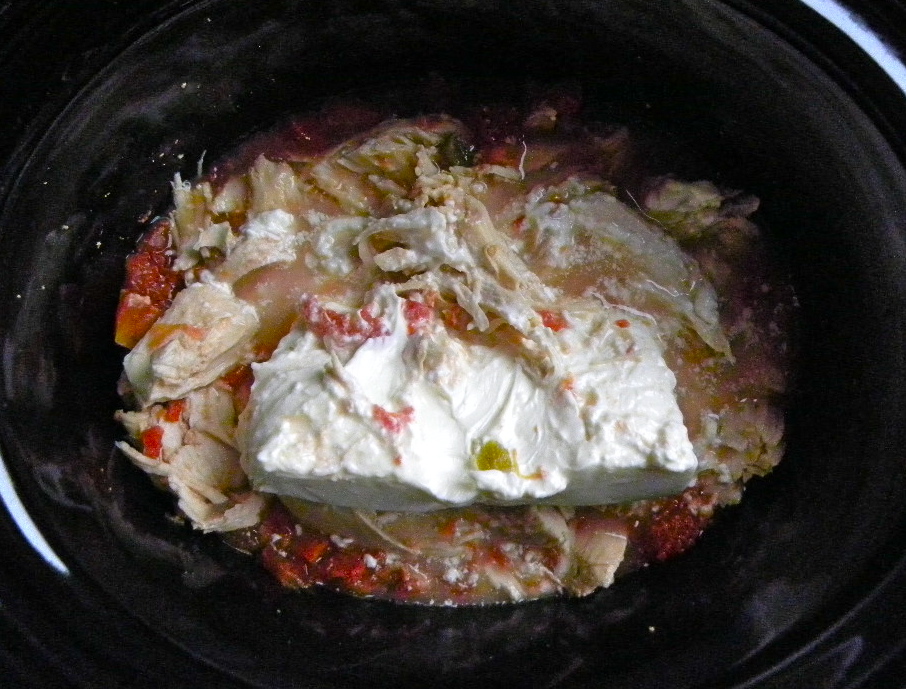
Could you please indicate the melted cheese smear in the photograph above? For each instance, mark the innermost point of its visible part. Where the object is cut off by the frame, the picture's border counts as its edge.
(410, 415)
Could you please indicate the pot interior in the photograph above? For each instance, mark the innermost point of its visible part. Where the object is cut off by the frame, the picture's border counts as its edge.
(716, 95)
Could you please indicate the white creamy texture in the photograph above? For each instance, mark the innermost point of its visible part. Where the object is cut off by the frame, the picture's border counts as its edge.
(602, 427)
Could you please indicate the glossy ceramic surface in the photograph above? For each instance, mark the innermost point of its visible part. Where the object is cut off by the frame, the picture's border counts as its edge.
(802, 585)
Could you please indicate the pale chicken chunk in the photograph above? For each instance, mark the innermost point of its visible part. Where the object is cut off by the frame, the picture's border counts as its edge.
(194, 460)
(205, 332)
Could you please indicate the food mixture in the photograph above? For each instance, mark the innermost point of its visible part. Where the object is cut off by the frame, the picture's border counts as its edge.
(452, 361)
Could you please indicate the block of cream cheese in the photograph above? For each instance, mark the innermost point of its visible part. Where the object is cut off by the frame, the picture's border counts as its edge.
(398, 414)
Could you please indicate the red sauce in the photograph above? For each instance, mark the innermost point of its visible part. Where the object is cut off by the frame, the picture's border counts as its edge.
(149, 288)
(496, 125)
(673, 528)
(302, 559)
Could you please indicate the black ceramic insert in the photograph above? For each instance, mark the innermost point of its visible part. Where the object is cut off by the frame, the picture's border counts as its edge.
(802, 585)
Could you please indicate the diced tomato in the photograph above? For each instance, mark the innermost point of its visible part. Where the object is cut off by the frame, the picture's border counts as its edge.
(325, 322)
(301, 559)
(290, 573)
(311, 549)
(153, 442)
(375, 326)
(553, 320)
(449, 528)
(174, 410)
(265, 350)
(404, 581)
(149, 287)
(417, 316)
(240, 379)
(278, 523)
(623, 323)
(135, 314)
(520, 225)
(393, 421)
(348, 567)
(238, 375)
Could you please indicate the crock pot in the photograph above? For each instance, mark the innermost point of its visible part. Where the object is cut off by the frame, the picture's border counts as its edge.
(799, 102)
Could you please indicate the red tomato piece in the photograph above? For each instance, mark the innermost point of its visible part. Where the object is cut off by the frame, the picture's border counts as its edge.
(325, 322)
(149, 288)
(153, 442)
(393, 421)
(174, 410)
(417, 316)
(673, 529)
(553, 320)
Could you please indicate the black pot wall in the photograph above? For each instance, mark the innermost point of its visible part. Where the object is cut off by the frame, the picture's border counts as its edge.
(802, 585)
